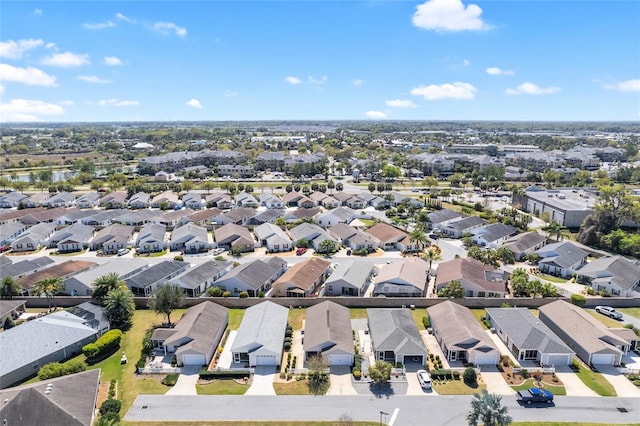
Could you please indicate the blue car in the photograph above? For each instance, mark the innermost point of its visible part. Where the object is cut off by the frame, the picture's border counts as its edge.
(532, 395)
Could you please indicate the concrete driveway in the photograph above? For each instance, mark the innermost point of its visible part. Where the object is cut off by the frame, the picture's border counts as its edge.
(340, 381)
(262, 382)
(414, 387)
(624, 388)
(186, 384)
(572, 383)
(492, 377)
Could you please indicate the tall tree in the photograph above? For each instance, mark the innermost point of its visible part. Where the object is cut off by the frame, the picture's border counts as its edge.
(49, 287)
(104, 284)
(418, 237)
(453, 289)
(554, 229)
(166, 299)
(380, 372)
(487, 408)
(9, 287)
(327, 246)
(432, 253)
(119, 306)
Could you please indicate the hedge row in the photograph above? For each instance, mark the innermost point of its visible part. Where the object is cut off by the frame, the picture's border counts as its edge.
(105, 344)
(223, 374)
(55, 369)
(445, 375)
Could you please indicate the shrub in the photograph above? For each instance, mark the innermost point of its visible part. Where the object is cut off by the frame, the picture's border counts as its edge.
(226, 294)
(223, 374)
(578, 300)
(110, 406)
(170, 379)
(469, 376)
(261, 294)
(104, 345)
(147, 349)
(180, 258)
(112, 388)
(426, 322)
(287, 346)
(357, 374)
(288, 333)
(215, 291)
(524, 373)
(56, 369)
(243, 295)
(398, 365)
(109, 419)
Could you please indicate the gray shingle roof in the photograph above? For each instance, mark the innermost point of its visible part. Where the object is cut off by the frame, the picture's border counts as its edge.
(465, 223)
(394, 330)
(254, 274)
(522, 242)
(354, 273)
(70, 402)
(201, 324)
(440, 216)
(38, 338)
(263, 325)
(155, 273)
(615, 269)
(328, 329)
(526, 331)
(200, 273)
(495, 231)
(19, 268)
(563, 254)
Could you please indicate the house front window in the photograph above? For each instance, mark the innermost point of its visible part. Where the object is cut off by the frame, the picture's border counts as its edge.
(530, 354)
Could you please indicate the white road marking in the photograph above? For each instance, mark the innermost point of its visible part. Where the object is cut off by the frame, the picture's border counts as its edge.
(393, 416)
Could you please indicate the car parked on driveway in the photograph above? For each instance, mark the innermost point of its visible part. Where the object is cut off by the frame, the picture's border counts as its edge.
(300, 251)
(531, 395)
(609, 311)
(424, 379)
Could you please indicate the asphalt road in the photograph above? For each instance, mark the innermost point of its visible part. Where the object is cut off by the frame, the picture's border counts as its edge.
(403, 410)
(626, 319)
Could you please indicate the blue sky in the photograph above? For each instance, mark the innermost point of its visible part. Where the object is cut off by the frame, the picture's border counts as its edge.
(264, 60)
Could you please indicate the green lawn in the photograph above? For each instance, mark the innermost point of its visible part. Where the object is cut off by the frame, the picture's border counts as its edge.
(595, 381)
(358, 313)
(222, 387)
(368, 222)
(235, 318)
(295, 318)
(457, 387)
(551, 278)
(479, 313)
(292, 388)
(417, 315)
(556, 390)
(608, 322)
(634, 312)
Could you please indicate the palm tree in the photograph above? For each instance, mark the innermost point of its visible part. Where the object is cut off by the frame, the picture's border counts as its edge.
(119, 306)
(486, 408)
(49, 287)
(105, 283)
(432, 253)
(10, 287)
(554, 229)
(535, 288)
(417, 236)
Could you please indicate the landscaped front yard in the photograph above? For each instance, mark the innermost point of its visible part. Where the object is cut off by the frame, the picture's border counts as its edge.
(531, 383)
(594, 381)
(298, 386)
(458, 387)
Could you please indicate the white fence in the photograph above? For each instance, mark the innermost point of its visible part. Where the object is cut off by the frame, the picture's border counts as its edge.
(534, 370)
(153, 369)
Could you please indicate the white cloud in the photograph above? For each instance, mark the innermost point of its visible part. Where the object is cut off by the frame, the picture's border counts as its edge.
(527, 88)
(400, 103)
(498, 71)
(121, 17)
(14, 49)
(66, 59)
(375, 114)
(112, 61)
(466, 63)
(27, 110)
(1, 89)
(358, 82)
(98, 25)
(292, 80)
(31, 76)
(50, 46)
(37, 12)
(456, 90)
(313, 80)
(118, 103)
(93, 79)
(449, 16)
(194, 103)
(625, 86)
(168, 28)
(66, 103)
(229, 93)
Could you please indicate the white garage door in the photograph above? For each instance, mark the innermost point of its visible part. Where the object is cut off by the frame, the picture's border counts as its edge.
(190, 359)
(339, 359)
(486, 359)
(266, 360)
(559, 360)
(602, 359)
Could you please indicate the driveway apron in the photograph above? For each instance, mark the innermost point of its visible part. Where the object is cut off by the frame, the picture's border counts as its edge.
(186, 384)
(262, 383)
(494, 381)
